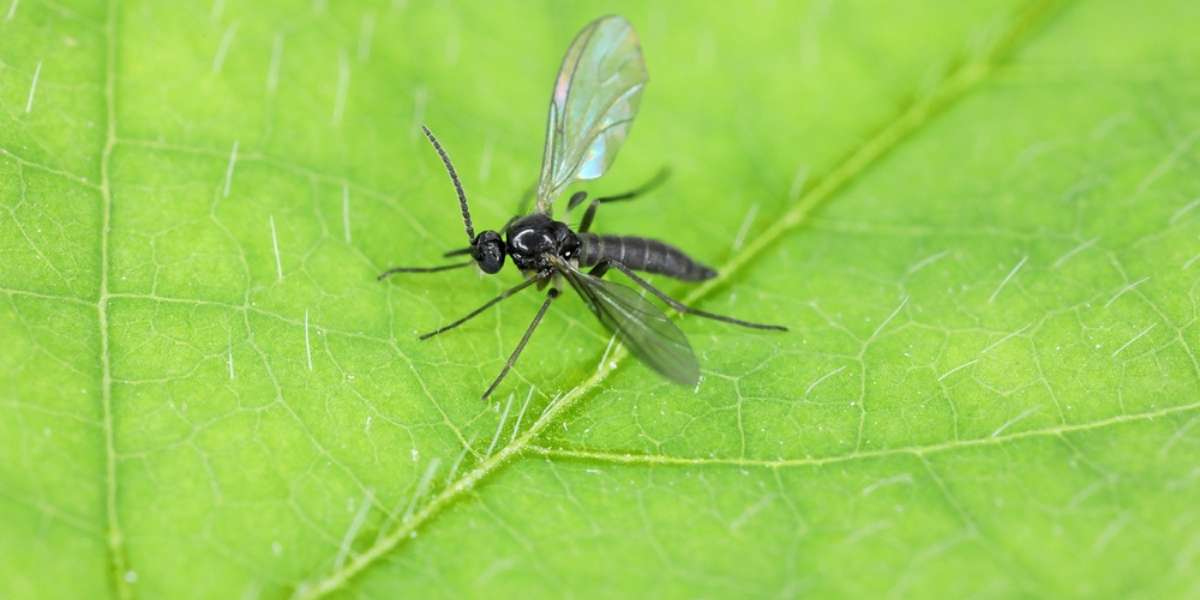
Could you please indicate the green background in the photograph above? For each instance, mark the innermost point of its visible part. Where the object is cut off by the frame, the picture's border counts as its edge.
(980, 219)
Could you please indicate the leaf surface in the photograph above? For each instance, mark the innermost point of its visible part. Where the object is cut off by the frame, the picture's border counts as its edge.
(980, 221)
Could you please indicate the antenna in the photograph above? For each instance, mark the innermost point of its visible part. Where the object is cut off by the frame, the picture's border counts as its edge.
(462, 196)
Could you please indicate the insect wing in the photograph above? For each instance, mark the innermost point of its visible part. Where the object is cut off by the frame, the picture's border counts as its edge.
(642, 327)
(595, 98)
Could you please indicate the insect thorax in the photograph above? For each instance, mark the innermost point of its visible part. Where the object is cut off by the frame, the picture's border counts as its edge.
(534, 238)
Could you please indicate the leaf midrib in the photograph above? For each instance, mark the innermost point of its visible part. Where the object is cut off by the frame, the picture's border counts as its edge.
(858, 162)
(908, 122)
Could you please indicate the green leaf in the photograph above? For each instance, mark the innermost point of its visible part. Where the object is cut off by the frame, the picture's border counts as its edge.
(979, 219)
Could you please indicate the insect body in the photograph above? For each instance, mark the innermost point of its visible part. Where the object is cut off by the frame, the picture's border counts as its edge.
(595, 98)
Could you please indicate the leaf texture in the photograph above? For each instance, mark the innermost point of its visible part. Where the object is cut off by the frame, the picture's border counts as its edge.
(979, 219)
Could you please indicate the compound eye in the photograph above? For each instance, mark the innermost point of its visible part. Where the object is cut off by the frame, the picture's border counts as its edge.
(489, 252)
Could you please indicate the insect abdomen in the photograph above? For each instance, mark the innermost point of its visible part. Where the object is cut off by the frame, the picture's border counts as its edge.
(642, 254)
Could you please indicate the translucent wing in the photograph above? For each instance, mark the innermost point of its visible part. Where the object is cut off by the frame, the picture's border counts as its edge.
(642, 327)
(595, 98)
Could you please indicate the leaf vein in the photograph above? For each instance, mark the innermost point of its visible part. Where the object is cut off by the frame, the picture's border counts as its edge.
(858, 161)
(858, 455)
(117, 559)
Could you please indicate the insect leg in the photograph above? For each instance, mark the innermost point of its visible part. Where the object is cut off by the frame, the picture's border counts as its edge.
(486, 305)
(394, 270)
(600, 269)
(675, 304)
(590, 213)
(512, 359)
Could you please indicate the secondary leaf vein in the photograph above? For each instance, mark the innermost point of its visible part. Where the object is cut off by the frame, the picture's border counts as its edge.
(858, 161)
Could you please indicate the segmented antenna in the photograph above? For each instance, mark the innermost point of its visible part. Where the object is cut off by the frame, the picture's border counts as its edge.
(462, 196)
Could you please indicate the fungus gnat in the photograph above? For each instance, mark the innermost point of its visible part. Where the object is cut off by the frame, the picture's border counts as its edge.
(592, 106)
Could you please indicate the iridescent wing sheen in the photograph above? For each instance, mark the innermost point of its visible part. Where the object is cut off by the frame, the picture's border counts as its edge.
(644, 329)
(595, 98)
